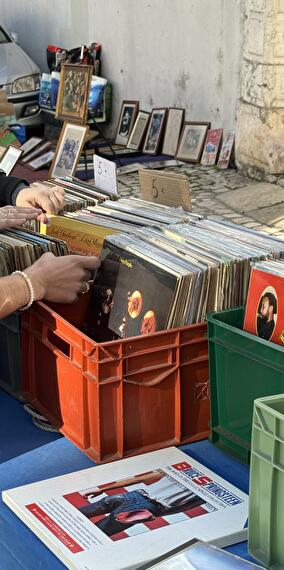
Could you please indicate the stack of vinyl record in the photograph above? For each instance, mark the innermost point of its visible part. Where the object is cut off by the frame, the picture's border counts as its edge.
(159, 278)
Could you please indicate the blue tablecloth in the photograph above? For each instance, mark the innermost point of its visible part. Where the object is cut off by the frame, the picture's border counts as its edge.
(20, 548)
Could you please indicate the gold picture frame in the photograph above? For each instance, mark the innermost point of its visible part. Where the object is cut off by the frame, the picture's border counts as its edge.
(73, 94)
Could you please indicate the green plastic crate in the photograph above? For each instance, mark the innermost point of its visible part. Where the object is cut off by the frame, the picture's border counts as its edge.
(266, 499)
(243, 367)
(10, 355)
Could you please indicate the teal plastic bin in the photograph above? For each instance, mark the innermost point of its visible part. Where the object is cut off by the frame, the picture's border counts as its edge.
(243, 367)
(266, 498)
(10, 354)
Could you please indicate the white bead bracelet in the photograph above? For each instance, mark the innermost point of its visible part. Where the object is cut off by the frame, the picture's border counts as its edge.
(30, 287)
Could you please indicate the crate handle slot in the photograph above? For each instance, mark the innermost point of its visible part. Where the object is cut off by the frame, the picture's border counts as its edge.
(58, 343)
(153, 382)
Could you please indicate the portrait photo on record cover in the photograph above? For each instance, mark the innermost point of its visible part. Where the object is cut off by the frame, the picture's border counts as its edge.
(266, 315)
(124, 507)
(126, 121)
(73, 95)
(68, 150)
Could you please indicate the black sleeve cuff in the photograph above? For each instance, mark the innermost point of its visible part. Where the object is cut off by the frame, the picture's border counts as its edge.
(16, 192)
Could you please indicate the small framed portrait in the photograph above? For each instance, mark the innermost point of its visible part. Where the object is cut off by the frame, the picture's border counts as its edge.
(68, 150)
(42, 160)
(192, 141)
(126, 121)
(172, 130)
(138, 131)
(73, 95)
(155, 131)
(29, 145)
(39, 149)
(10, 159)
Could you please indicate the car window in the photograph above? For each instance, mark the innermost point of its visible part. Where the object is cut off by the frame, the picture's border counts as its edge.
(4, 39)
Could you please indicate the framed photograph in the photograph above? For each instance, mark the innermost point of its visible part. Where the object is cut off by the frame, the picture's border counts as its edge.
(3, 149)
(10, 159)
(128, 113)
(226, 149)
(172, 130)
(68, 150)
(211, 147)
(29, 145)
(155, 130)
(138, 131)
(41, 161)
(36, 152)
(191, 141)
(73, 95)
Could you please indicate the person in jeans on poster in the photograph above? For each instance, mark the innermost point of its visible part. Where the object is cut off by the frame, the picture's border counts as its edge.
(157, 495)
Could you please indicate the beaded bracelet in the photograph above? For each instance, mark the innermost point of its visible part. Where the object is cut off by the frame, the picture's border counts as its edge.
(30, 287)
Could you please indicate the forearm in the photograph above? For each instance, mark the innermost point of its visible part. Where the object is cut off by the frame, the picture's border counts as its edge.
(14, 294)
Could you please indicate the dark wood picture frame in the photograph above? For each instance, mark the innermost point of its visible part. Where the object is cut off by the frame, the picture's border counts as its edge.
(125, 125)
(194, 154)
(171, 138)
(80, 113)
(63, 134)
(157, 131)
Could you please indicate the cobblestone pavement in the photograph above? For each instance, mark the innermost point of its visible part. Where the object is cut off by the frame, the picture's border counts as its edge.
(228, 194)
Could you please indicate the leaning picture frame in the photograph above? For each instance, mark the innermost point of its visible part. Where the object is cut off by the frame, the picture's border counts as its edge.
(3, 149)
(68, 150)
(226, 149)
(138, 131)
(9, 159)
(155, 130)
(40, 161)
(173, 128)
(30, 144)
(73, 93)
(128, 113)
(39, 149)
(191, 142)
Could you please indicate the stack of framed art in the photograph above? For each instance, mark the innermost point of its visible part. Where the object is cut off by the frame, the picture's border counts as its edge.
(164, 130)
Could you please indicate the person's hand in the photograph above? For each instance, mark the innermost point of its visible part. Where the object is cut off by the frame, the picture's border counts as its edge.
(61, 279)
(49, 200)
(11, 216)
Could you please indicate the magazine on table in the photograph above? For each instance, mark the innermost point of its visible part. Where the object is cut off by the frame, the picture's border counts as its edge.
(118, 516)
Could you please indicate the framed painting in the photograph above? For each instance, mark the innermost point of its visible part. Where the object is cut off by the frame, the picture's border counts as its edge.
(68, 150)
(172, 130)
(10, 159)
(191, 141)
(138, 131)
(42, 160)
(128, 113)
(73, 95)
(155, 131)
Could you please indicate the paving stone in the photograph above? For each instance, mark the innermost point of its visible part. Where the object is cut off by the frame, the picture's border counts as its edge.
(254, 196)
(273, 215)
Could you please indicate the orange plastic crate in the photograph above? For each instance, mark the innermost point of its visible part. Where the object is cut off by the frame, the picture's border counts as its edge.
(118, 398)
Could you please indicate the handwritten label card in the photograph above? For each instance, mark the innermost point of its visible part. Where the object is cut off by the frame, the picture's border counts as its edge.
(105, 175)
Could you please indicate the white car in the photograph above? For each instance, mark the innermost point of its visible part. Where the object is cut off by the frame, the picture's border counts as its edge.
(20, 78)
